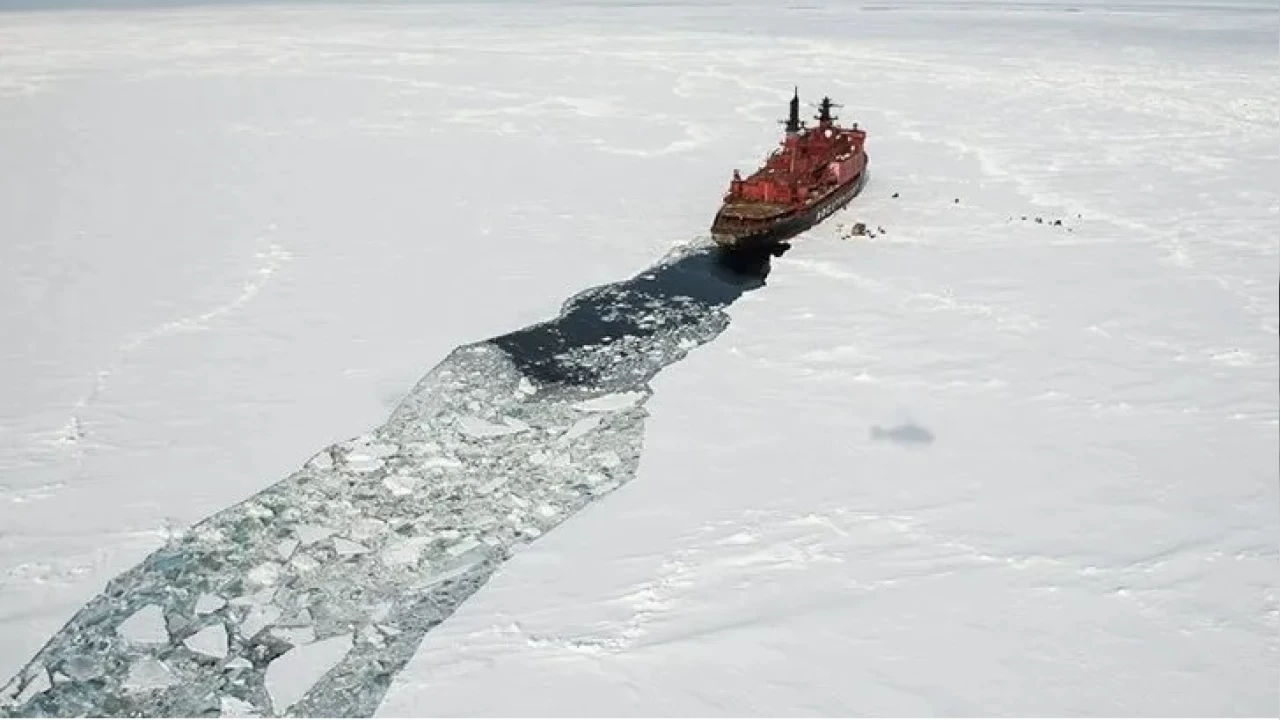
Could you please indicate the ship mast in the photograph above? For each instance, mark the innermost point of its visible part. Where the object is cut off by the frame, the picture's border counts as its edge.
(793, 120)
(825, 117)
(793, 128)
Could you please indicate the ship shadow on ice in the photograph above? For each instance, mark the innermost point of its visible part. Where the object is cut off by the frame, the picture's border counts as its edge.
(604, 337)
(309, 597)
(905, 434)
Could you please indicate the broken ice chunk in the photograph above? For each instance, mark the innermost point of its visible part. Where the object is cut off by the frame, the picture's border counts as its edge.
(607, 459)
(479, 428)
(404, 552)
(347, 548)
(290, 676)
(401, 485)
(267, 573)
(380, 611)
(610, 403)
(286, 547)
(363, 463)
(382, 449)
(211, 641)
(148, 673)
(461, 566)
(258, 618)
(462, 547)
(321, 461)
(298, 619)
(310, 534)
(369, 635)
(366, 529)
(83, 667)
(303, 563)
(295, 635)
(236, 708)
(440, 461)
(238, 664)
(580, 428)
(145, 627)
(491, 485)
(35, 685)
(208, 603)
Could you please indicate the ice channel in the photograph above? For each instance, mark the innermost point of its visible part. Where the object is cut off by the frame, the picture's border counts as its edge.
(308, 597)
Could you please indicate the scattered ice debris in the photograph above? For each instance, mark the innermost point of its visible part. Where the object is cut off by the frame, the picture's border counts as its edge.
(211, 641)
(146, 627)
(859, 229)
(369, 529)
(1041, 220)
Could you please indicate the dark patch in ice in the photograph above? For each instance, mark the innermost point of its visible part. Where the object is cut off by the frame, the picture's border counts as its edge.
(607, 336)
(376, 540)
(907, 434)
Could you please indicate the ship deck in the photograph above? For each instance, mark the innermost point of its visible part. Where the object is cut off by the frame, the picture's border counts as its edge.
(754, 210)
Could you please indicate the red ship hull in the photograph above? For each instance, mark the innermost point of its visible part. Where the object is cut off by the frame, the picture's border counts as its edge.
(814, 174)
(732, 230)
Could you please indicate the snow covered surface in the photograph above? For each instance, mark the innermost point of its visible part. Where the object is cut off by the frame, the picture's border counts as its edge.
(975, 464)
